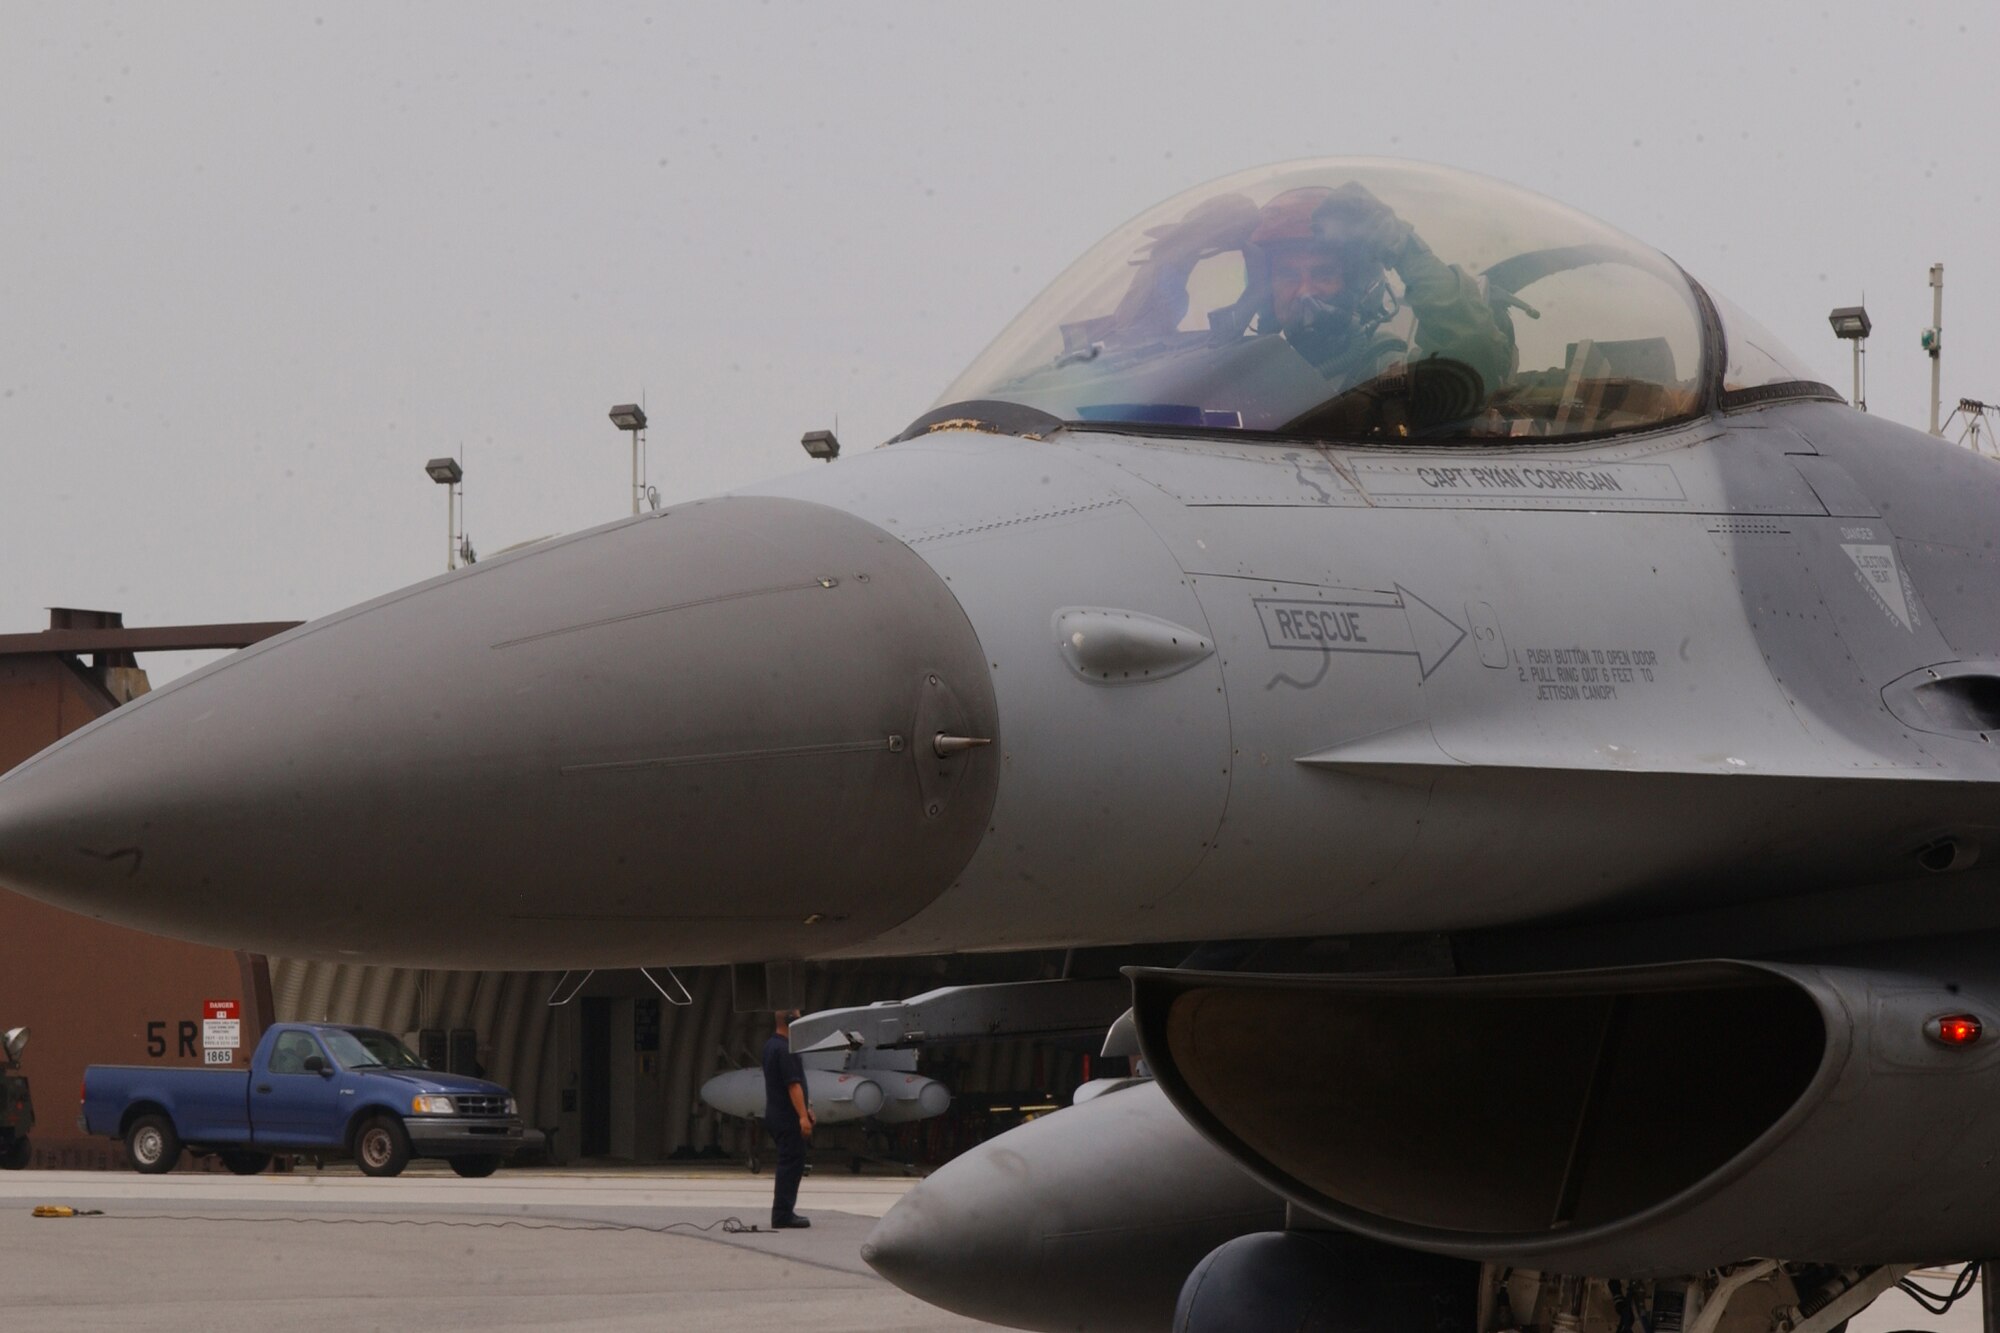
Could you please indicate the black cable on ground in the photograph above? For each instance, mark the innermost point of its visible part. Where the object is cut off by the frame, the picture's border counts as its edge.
(731, 1226)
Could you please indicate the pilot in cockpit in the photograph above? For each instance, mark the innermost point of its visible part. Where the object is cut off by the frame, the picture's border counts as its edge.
(1326, 255)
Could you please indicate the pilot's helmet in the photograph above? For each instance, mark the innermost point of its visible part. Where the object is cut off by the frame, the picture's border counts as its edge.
(1322, 252)
(1288, 217)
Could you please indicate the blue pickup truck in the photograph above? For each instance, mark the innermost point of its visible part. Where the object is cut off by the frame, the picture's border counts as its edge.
(313, 1088)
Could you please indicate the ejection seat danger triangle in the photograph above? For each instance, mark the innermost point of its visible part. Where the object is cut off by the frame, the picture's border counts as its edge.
(1344, 620)
(1879, 574)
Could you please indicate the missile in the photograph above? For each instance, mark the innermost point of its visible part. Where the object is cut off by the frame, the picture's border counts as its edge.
(1091, 1217)
(737, 1092)
(836, 1096)
(911, 1097)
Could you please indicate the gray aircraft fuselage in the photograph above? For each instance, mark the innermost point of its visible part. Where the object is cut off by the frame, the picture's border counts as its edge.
(1341, 549)
(1234, 688)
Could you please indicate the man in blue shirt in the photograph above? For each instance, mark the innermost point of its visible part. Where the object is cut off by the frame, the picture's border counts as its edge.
(788, 1118)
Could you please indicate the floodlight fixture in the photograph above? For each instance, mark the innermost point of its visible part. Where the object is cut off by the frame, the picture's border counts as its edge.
(628, 416)
(445, 471)
(1851, 322)
(820, 444)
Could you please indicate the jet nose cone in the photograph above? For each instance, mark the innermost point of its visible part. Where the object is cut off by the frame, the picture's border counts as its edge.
(43, 841)
(698, 736)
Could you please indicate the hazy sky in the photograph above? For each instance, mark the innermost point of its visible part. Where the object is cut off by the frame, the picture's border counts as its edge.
(258, 262)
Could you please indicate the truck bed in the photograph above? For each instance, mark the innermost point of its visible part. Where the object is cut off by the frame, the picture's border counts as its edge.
(207, 1105)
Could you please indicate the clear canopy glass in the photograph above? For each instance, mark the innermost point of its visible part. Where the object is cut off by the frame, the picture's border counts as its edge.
(1756, 358)
(1357, 298)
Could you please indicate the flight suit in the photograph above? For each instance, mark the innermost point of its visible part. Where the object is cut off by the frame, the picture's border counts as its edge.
(781, 1070)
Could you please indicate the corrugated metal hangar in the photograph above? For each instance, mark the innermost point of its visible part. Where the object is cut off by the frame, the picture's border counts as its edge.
(613, 1073)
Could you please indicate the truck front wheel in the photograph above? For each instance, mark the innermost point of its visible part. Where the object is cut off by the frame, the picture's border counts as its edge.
(152, 1145)
(382, 1147)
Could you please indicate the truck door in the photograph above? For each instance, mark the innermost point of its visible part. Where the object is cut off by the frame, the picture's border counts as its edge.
(293, 1106)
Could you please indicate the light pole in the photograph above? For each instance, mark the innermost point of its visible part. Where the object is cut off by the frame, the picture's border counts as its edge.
(1934, 339)
(1852, 325)
(447, 473)
(632, 417)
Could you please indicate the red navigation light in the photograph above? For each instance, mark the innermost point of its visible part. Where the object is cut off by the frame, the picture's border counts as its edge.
(1955, 1030)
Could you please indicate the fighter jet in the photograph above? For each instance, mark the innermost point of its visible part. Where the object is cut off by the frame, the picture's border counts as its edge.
(1560, 729)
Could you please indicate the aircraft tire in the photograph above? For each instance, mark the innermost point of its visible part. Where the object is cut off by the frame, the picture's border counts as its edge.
(153, 1145)
(382, 1146)
(477, 1167)
(244, 1163)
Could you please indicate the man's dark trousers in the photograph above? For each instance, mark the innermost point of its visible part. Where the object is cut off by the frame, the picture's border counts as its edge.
(791, 1145)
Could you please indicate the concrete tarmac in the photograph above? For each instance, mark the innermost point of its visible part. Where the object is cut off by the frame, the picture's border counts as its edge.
(540, 1249)
(526, 1249)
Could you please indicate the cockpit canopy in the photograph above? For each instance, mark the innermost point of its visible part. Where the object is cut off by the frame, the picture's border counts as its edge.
(1363, 298)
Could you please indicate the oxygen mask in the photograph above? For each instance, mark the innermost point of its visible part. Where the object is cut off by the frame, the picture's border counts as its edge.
(1322, 328)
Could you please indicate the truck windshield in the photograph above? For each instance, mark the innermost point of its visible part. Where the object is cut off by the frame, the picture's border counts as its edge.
(370, 1050)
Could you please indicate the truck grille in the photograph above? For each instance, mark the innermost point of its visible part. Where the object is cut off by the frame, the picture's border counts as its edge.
(479, 1104)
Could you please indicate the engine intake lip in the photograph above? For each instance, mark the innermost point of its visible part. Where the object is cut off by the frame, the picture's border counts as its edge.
(1528, 1116)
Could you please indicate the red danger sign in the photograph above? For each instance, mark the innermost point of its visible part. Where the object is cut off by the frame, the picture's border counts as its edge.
(214, 1009)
